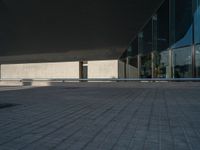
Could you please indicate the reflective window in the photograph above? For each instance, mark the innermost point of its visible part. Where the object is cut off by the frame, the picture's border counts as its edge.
(147, 38)
(197, 60)
(161, 55)
(123, 57)
(197, 21)
(181, 20)
(182, 62)
(132, 67)
(134, 48)
(161, 64)
(163, 27)
(145, 49)
(145, 70)
(176, 26)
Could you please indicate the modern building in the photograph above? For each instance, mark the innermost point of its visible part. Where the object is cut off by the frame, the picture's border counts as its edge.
(168, 44)
(100, 39)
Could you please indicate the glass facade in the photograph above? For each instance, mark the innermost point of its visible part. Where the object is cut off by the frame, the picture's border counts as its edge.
(182, 62)
(181, 23)
(197, 22)
(169, 44)
(161, 55)
(145, 50)
(197, 48)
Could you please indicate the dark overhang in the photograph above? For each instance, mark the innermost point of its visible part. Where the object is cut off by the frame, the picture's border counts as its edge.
(66, 30)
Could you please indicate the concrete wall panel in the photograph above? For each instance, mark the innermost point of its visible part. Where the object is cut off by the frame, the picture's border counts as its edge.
(103, 69)
(40, 70)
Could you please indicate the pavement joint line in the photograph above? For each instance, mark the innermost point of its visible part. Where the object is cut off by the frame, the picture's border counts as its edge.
(110, 121)
(23, 148)
(65, 139)
(166, 117)
(38, 120)
(33, 130)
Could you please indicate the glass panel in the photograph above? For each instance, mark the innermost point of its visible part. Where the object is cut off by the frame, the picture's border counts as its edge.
(181, 23)
(163, 27)
(197, 61)
(145, 49)
(133, 48)
(123, 57)
(132, 67)
(161, 55)
(161, 65)
(85, 72)
(147, 38)
(182, 62)
(197, 22)
(132, 60)
(145, 70)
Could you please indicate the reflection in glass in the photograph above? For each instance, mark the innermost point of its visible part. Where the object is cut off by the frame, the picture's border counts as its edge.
(181, 23)
(145, 49)
(161, 64)
(132, 67)
(175, 27)
(182, 62)
(147, 38)
(163, 27)
(197, 61)
(133, 48)
(132, 61)
(161, 54)
(197, 22)
(145, 70)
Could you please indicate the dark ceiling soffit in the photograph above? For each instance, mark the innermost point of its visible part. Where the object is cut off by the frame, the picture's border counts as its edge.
(78, 55)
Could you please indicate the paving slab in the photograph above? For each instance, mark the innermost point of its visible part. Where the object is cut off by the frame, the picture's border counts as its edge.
(101, 116)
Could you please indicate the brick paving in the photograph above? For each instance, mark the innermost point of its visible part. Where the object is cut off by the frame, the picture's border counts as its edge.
(101, 116)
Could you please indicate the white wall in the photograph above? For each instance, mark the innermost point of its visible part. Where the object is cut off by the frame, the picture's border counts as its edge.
(40, 70)
(103, 69)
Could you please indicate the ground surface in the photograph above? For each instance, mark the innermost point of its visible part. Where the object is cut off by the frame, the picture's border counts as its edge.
(105, 116)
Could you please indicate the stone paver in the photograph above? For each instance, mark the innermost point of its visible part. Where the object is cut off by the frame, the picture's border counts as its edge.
(101, 116)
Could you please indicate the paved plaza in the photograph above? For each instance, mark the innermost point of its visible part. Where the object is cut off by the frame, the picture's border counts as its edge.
(101, 116)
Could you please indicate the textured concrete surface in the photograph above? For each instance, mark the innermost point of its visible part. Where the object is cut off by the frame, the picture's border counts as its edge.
(56, 70)
(104, 116)
(40, 70)
(103, 69)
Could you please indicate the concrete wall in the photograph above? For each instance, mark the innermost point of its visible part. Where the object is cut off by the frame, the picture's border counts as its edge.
(96, 69)
(40, 70)
(103, 69)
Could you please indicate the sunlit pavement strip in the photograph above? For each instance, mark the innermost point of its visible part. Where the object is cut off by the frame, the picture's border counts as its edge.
(104, 116)
(3, 88)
